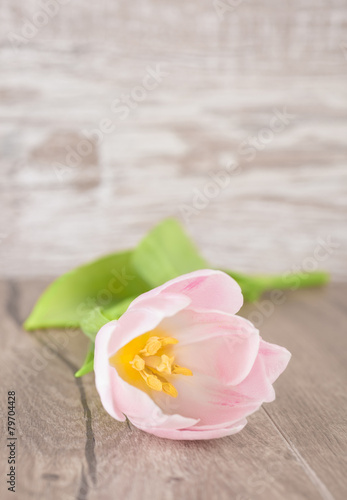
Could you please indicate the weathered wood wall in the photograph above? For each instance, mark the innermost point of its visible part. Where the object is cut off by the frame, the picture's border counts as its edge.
(225, 78)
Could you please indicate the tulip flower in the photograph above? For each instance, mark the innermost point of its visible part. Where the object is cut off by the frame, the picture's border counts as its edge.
(180, 364)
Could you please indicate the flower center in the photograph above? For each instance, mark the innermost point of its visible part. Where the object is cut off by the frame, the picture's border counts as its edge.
(150, 358)
(151, 363)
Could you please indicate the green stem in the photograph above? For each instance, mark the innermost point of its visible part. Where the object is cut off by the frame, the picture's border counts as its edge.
(253, 286)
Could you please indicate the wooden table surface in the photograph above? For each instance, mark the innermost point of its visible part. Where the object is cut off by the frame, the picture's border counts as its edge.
(70, 448)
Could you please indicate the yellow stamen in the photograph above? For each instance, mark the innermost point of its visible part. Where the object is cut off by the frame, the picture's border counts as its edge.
(152, 346)
(181, 370)
(151, 380)
(137, 363)
(150, 362)
(170, 389)
(165, 365)
(160, 364)
(155, 343)
(168, 340)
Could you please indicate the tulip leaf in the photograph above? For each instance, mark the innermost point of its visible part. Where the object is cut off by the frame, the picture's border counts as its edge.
(115, 311)
(165, 253)
(88, 365)
(68, 299)
(92, 322)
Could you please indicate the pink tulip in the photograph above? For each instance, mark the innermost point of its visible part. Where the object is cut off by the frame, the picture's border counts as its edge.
(181, 365)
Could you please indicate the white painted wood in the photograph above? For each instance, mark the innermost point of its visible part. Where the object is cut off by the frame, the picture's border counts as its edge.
(224, 80)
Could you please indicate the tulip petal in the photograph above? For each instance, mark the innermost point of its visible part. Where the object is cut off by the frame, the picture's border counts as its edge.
(214, 402)
(157, 419)
(204, 398)
(140, 407)
(256, 385)
(145, 316)
(275, 359)
(220, 345)
(208, 289)
(195, 433)
(103, 380)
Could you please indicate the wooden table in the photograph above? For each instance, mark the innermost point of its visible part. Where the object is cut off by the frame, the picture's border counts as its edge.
(70, 448)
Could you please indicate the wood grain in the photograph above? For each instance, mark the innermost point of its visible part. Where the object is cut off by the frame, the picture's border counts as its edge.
(225, 77)
(68, 447)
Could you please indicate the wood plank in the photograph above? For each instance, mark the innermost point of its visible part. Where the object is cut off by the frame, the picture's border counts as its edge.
(225, 78)
(68, 447)
(311, 415)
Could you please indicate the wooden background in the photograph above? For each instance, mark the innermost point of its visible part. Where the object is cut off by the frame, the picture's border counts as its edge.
(226, 77)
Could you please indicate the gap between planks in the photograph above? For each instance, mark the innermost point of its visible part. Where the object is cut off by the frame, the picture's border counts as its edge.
(312, 476)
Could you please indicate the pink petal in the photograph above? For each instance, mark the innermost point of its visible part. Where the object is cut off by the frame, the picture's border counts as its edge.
(195, 433)
(220, 345)
(144, 317)
(102, 371)
(158, 419)
(140, 407)
(256, 385)
(275, 359)
(204, 398)
(208, 289)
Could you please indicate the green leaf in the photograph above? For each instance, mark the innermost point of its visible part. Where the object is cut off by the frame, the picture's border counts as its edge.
(116, 311)
(88, 365)
(92, 322)
(68, 299)
(165, 253)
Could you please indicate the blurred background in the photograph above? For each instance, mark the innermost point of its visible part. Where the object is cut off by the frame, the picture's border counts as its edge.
(230, 115)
